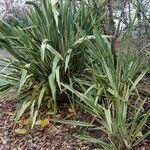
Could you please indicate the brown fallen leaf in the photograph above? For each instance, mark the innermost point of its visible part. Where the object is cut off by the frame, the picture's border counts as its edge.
(25, 121)
(9, 113)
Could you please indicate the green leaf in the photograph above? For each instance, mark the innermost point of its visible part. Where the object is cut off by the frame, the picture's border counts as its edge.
(108, 119)
(88, 38)
(52, 84)
(43, 47)
(41, 96)
(75, 123)
(67, 59)
(33, 119)
(105, 145)
(53, 51)
(5, 87)
(32, 116)
(24, 77)
(35, 113)
(56, 14)
(141, 124)
(142, 138)
(98, 109)
(89, 89)
(55, 64)
(58, 76)
(137, 80)
(109, 75)
(54, 2)
(22, 109)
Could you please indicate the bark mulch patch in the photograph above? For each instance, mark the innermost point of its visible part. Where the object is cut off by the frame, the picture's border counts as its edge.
(52, 137)
(145, 146)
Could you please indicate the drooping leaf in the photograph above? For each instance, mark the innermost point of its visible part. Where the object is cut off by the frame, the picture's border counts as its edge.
(105, 145)
(22, 109)
(108, 119)
(75, 123)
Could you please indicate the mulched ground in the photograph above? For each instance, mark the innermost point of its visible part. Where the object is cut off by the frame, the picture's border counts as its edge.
(51, 137)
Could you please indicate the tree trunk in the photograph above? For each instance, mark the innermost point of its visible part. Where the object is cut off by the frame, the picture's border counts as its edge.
(112, 28)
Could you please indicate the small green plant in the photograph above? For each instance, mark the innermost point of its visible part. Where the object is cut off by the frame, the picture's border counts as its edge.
(47, 51)
(106, 92)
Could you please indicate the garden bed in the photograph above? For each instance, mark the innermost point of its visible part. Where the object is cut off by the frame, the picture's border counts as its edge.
(52, 137)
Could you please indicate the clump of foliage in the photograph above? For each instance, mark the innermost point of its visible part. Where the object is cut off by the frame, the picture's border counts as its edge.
(47, 51)
(106, 92)
(57, 44)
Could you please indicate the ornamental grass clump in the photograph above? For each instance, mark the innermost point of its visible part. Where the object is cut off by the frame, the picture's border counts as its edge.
(46, 51)
(106, 92)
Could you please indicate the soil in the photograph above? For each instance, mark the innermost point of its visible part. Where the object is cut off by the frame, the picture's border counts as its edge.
(145, 146)
(51, 137)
